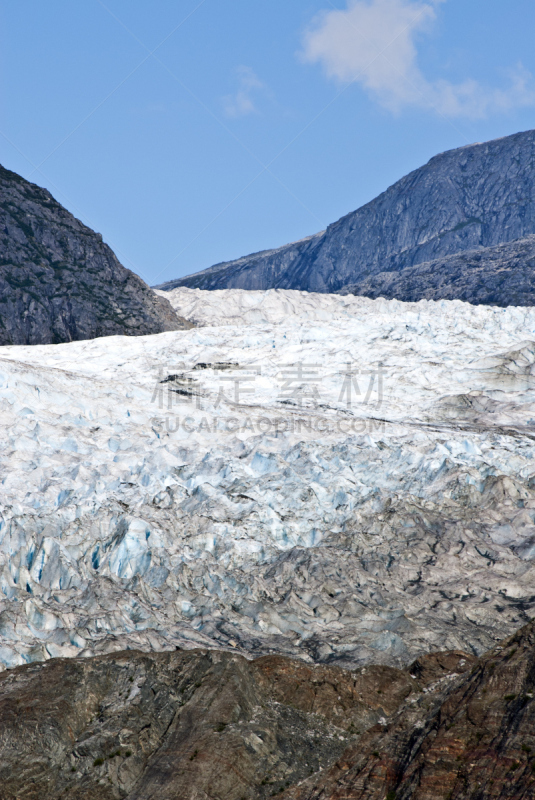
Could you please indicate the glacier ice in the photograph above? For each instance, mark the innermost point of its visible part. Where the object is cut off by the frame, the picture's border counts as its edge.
(333, 478)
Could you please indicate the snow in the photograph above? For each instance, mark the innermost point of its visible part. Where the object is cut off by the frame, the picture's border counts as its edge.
(330, 477)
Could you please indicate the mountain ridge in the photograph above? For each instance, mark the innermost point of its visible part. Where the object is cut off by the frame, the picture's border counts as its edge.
(503, 275)
(60, 282)
(473, 197)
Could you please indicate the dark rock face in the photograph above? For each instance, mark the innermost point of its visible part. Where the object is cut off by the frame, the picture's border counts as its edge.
(475, 197)
(495, 276)
(59, 282)
(189, 724)
(211, 724)
(469, 738)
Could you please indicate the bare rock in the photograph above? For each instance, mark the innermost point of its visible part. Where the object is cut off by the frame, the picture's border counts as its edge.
(495, 276)
(181, 724)
(59, 282)
(207, 724)
(464, 200)
(465, 737)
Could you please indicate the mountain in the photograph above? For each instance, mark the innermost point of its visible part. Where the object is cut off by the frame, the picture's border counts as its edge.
(464, 200)
(212, 724)
(59, 282)
(494, 276)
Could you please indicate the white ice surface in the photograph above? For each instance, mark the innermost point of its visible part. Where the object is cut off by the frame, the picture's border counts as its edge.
(228, 507)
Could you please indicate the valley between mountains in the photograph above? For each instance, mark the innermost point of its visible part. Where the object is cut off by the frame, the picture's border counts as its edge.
(269, 530)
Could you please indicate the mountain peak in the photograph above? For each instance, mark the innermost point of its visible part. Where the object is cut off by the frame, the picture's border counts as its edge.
(474, 197)
(59, 281)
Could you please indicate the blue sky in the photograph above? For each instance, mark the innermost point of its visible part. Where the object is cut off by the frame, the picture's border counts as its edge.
(191, 132)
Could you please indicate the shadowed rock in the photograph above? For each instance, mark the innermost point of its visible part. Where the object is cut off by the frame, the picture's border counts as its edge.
(494, 276)
(206, 724)
(59, 282)
(197, 724)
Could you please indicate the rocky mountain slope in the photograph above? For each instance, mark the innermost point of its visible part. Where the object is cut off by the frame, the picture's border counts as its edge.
(499, 276)
(59, 282)
(184, 724)
(337, 479)
(207, 724)
(471, 739)
(473, 198)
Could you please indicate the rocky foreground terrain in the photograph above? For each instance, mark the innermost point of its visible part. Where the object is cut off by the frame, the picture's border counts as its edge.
(206, 724)
(435, 234)
(59, 282)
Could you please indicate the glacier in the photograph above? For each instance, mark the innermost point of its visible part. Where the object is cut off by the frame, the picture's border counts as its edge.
(329, 477)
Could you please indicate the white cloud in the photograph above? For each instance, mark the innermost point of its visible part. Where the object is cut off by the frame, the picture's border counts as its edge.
(374, 43)
(241, 103)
